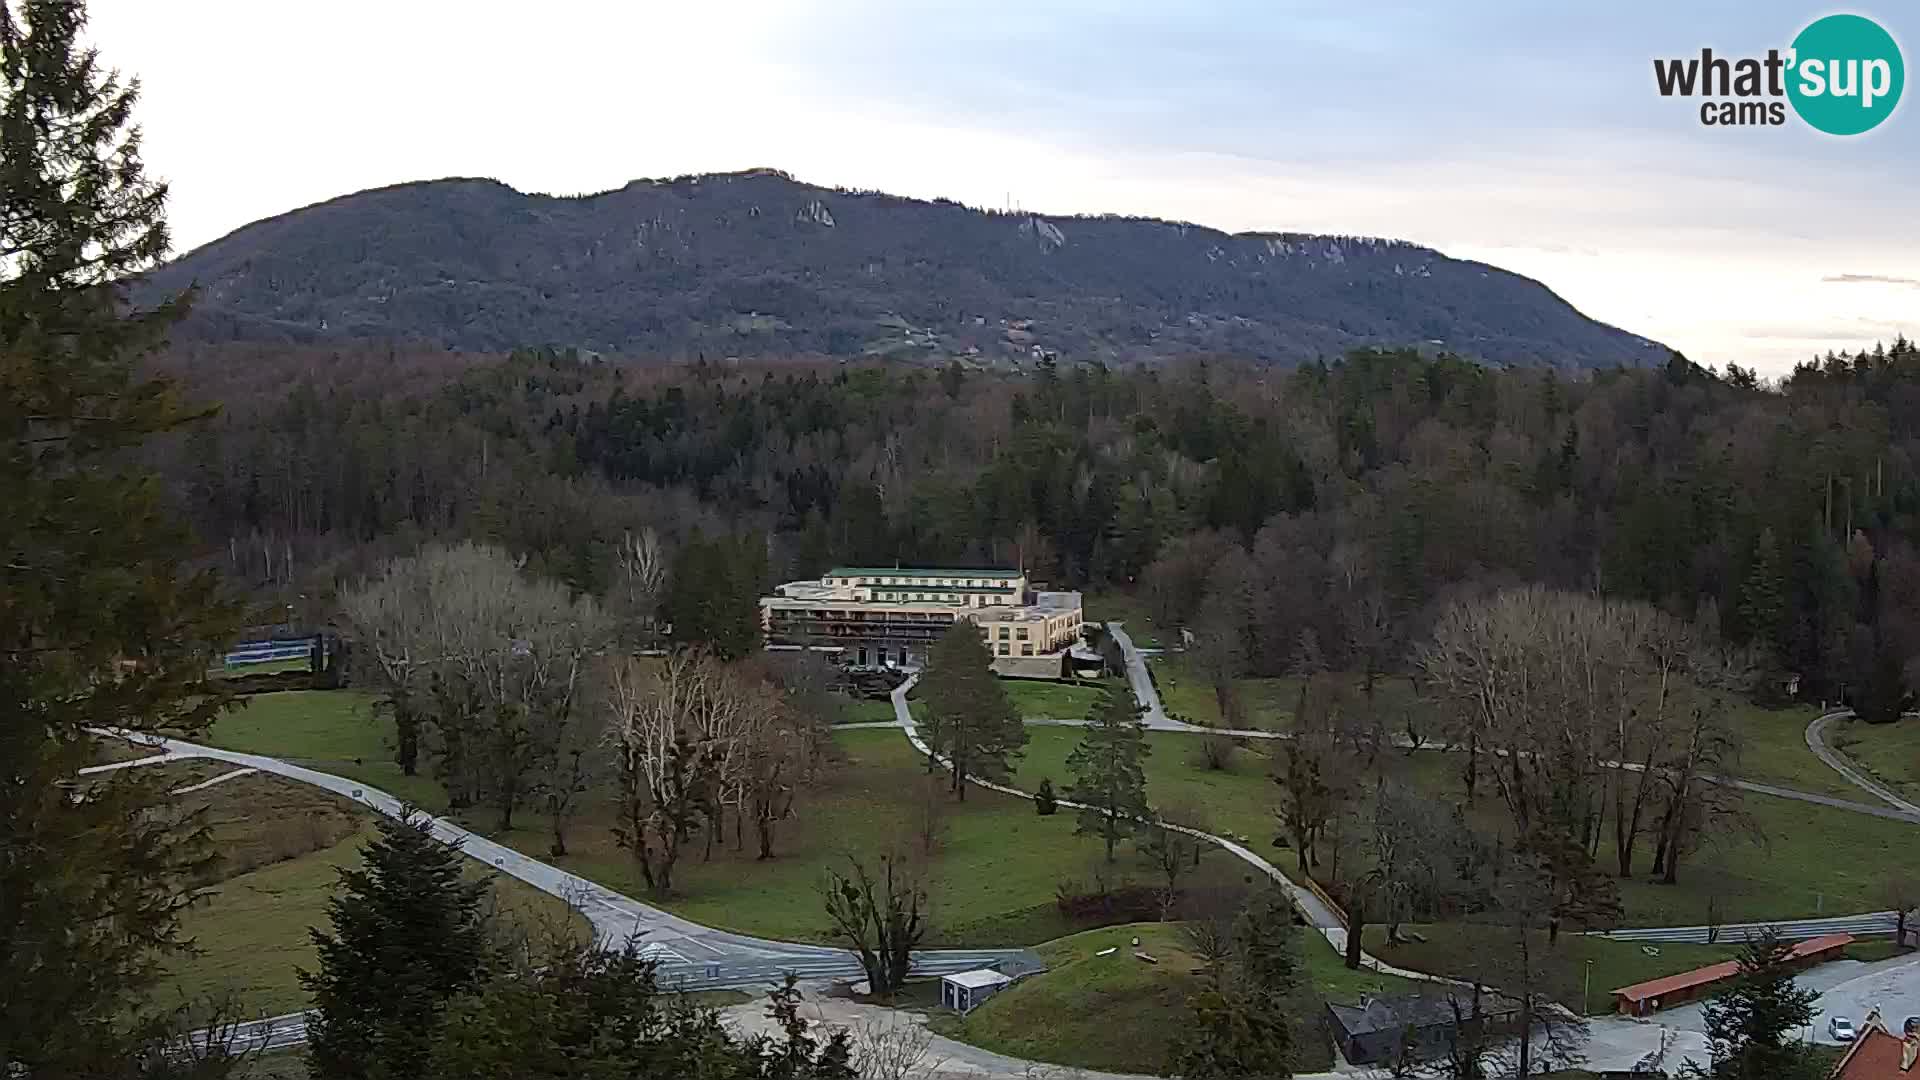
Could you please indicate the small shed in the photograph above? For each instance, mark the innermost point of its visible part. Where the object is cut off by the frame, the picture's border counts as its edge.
(964, 991)
(1644, 999)
(1409, 1027)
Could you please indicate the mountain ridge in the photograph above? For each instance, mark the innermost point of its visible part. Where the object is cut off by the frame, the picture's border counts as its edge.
(756, 262)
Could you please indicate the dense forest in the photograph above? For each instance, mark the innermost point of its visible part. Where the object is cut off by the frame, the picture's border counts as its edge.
(1328, 509)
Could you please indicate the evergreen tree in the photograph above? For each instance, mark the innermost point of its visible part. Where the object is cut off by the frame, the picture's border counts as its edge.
(1268, 944)
(1232, 1036)
(969, 721)
(600, 1012)
(713, 596)
(408, 933)
(1109, 778)
(1885, 698)
(1044, 801)
(99, 625)
(1751, 1028)
(1763, 594)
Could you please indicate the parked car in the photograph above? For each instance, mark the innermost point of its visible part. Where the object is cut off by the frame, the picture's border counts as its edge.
(1840, 1028)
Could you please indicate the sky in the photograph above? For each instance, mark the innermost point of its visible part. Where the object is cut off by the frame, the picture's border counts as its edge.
(1524, 134)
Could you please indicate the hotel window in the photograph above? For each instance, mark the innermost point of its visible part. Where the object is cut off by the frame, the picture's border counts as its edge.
(1023, 633)
(1003, 649)
(1003, 632)
(1026, 650)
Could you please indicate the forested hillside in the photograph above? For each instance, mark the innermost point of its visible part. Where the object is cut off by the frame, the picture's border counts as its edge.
(758, 264)
(1327, 509)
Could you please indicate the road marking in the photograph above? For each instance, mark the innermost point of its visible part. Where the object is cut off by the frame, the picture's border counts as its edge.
(205, 784)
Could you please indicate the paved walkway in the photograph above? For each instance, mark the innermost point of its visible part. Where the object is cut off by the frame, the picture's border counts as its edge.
(680, 945)
(688, 954)
(1840, 763)
(1311, 907)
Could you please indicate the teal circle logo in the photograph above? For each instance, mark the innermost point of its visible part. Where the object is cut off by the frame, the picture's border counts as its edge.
(1846, 74)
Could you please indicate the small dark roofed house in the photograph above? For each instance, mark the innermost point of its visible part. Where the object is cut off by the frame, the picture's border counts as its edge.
(1879, 1054)
(1407, 1027)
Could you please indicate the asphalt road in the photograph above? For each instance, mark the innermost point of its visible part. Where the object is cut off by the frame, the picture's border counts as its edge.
(688, 955)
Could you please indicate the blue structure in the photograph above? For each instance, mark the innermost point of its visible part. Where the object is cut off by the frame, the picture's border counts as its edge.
(248, 653)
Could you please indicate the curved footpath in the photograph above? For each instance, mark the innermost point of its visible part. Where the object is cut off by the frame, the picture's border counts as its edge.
(1612, 1043)
(688, 955)
(694, 956)
(1840, 763)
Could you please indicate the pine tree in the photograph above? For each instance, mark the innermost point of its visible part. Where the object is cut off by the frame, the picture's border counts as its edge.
(1109, 778)
(1751, 1027)
(408, 933)
(1763, 594)
(969, 720)
(1232, 1036)
(592, 1011)
(1268, 945)
(1045, 803)
(98, 623)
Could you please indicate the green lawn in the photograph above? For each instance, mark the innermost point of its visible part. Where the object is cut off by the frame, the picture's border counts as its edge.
(1265, 703)
(992, 876)
(250, 932)
(1469, 947)
(869, 710)
(333, 731)
(1807, 860)
(1120, 1013)
(1055, 700)
(1239, 799)
(271, 667)
(1891, 752)
(1774, 750)
(995, 872)
(1122, 607)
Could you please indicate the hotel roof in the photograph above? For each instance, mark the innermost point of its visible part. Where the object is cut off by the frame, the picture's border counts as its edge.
(926, 572)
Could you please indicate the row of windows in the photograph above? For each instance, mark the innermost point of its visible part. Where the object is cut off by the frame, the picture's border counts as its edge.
(936, 598)
(973, 583)
(1025, 649)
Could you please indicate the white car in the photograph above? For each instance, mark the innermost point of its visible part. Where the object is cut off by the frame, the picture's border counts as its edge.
(1840, 1028)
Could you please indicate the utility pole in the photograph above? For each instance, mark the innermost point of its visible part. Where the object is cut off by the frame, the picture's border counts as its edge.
(1586, 993)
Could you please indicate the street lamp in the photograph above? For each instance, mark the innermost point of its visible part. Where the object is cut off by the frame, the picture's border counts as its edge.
(1587, 992)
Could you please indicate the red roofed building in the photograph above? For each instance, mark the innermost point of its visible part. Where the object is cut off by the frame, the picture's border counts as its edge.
(1640, 999)
(1879, 1054)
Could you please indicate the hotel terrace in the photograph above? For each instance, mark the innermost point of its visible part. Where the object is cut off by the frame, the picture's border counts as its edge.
(880, 617)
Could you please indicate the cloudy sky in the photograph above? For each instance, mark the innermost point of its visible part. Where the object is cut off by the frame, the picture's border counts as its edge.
(1518, 133)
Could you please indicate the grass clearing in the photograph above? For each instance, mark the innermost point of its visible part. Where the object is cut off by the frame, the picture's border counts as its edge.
(270, 667)
(869, 711)
(1773, 750)
(1036, 700)
(992, 876)
(1465, 946)
(1103, 607)
(1890, 752)
(1120, 1013)
(251, 932)
(1238, 799)
(1267, 704)
(334, 731)
(1809, 860)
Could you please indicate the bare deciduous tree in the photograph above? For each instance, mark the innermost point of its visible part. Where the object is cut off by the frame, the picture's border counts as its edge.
(495, 659)
(879, 912)
(896, 1047)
